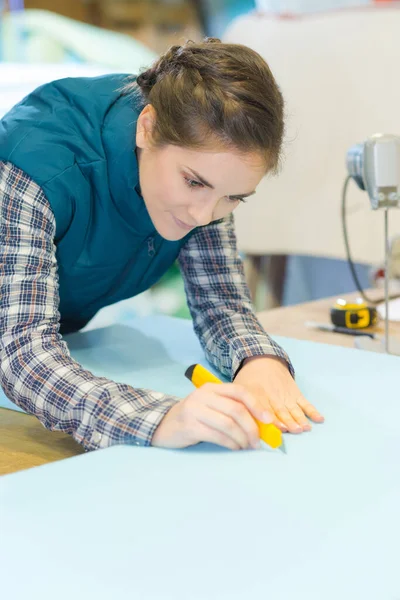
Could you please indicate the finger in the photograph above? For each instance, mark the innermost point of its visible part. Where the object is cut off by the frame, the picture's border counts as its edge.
(225, 424)
(213, 436)
(240, 394)
(280, 425)
(310, 410)
(239, 413)
(285, 417)
(299, 417)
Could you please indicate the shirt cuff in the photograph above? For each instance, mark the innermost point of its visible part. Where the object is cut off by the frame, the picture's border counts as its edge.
(250, 346)
(126, 423)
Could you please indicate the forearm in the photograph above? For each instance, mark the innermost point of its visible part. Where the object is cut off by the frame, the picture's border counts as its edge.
(36, 370)
(230, 335)
(37, 374)
(219, 300)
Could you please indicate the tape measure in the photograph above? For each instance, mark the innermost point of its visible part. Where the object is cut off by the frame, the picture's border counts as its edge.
(356, 315)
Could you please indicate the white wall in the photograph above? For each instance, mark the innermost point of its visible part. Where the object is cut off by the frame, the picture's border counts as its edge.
(307, 6)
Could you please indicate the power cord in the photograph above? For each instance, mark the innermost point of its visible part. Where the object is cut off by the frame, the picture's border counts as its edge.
(347, 245)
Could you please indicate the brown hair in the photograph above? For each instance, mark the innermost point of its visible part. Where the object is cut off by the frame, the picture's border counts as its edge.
(211, 92)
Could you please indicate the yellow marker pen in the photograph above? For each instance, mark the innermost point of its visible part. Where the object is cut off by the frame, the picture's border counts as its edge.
(269, 433)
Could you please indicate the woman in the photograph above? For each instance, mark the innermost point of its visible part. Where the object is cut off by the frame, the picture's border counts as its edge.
(104, 183)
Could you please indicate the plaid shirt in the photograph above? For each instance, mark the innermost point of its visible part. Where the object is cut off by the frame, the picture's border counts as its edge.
(36, 370)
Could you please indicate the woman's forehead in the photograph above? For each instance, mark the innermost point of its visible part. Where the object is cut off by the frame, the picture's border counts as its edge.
(214, 159)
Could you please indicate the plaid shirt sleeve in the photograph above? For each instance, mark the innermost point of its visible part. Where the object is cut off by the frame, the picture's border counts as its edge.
(36, 370)
(219, 300)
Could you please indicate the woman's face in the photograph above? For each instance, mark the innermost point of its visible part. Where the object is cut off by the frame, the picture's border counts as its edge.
(184, 189)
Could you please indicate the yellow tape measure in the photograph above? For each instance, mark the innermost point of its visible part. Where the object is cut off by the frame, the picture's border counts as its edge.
(355, 315)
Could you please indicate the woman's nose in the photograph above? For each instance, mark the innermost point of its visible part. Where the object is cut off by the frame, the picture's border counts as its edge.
(202, 213)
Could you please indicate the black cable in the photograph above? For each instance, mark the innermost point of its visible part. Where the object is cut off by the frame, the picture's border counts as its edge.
(346, 243)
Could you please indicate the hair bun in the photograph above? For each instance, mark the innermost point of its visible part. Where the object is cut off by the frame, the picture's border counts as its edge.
(212, 40)
(147, 79)
(174, 57)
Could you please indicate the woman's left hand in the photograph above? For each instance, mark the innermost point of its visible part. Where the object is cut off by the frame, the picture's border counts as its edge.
(268, 378)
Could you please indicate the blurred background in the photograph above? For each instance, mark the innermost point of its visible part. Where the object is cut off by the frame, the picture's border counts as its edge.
(333, 60)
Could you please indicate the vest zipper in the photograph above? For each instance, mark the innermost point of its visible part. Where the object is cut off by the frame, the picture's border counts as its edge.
(150, 247)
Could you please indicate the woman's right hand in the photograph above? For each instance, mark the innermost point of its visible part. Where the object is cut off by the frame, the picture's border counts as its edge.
(221, 414)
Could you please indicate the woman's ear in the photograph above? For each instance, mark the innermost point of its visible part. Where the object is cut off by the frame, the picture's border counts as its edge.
(144, 127)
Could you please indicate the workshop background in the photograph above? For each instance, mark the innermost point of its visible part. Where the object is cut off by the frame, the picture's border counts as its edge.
(42, 40)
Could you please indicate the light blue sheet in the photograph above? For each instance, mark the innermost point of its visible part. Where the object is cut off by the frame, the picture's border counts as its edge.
(320, 523)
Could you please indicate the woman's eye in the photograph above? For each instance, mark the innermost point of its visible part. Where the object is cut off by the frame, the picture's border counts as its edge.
(236, 199)
(192, 183)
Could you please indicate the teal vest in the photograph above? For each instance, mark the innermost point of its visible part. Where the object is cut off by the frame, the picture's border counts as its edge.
(76, 139)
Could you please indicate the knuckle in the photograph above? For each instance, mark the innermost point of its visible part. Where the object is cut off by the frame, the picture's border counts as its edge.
(246, 401)
(206, 387)
(230, 425)
(297, 413)
(238, 410)
(200, 394)
(234, 445)
(253, 428)
(282, 414)
(227, 442)
(238, 389)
